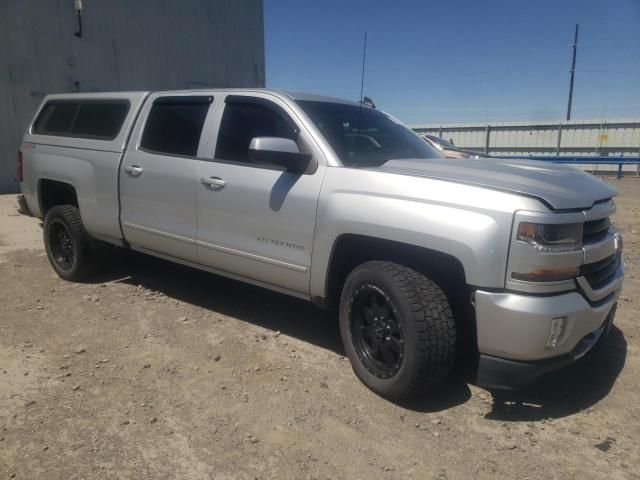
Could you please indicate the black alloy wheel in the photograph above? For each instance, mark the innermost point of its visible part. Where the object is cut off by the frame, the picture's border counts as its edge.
(397, 329)
(70, 249)
(376, 329)
(62, 248)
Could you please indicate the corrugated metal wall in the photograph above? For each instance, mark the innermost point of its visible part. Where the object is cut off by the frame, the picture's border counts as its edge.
(577, 137)
(126, 45)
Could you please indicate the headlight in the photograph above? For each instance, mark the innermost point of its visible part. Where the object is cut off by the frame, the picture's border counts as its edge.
(551, 238)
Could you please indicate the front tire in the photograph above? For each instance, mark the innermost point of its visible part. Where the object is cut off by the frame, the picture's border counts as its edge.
(68, 245)
(397, 328)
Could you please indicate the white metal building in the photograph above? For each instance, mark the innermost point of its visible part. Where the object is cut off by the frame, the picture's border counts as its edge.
(122, 45)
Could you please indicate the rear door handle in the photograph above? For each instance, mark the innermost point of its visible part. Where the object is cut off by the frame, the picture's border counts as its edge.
(133, 170)
(215, 183)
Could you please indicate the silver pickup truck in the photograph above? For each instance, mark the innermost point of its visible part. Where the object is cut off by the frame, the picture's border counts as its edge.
(424, 258)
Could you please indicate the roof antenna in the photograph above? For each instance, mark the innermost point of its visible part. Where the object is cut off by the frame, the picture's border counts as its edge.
(365, 100)
(364, 57)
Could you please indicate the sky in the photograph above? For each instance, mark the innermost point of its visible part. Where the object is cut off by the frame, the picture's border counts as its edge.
(460, 60)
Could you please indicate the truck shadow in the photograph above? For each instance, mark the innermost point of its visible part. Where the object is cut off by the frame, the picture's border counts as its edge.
(277, 312)
(265, 308)
(562, 393)
(567, 391)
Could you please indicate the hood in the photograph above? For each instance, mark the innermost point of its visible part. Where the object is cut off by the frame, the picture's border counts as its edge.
(559, 186)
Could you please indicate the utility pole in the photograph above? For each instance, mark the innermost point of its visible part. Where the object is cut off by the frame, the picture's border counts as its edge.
(573, 72)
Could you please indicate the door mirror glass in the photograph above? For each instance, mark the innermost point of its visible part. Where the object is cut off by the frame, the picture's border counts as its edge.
(282, 152)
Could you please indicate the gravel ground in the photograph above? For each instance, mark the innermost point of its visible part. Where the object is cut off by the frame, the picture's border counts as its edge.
(158, 372)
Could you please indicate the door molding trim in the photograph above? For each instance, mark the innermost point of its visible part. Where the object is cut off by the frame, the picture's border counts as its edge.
(219, 248)
(172, 236)
(253, 256)
(223, 273)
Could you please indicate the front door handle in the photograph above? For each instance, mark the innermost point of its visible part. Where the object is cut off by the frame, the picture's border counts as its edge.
(215, 183)
(133, 170)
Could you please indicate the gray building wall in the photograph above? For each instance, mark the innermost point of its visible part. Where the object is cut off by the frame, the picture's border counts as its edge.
(125, 45)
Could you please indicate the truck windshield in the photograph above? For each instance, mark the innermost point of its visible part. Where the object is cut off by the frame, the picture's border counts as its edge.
(363, 136)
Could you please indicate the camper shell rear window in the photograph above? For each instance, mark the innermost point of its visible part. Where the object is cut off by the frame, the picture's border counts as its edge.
(92, 119)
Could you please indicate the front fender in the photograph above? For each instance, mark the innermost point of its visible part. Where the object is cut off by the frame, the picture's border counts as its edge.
(469, 223)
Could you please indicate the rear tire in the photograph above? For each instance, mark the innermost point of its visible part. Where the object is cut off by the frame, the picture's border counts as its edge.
(397, 328)
(68, 245)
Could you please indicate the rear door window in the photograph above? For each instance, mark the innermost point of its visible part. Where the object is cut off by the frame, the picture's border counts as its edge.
(93, 119)
(174, 125)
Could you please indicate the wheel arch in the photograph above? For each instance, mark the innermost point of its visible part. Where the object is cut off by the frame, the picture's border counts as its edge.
(55, 192)
(350, 250)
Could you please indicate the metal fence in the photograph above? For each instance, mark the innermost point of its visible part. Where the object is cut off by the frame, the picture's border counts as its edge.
(598, 146)
(572, 138)
(593, 162)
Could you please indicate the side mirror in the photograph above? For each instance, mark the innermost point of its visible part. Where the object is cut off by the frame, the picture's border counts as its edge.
(282, 152)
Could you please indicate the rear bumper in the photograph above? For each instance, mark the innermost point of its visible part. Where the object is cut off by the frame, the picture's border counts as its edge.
(23, 208)
(502, 373)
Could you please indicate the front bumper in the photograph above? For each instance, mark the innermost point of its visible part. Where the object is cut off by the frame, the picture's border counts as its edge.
(514, 330)
(501, 373)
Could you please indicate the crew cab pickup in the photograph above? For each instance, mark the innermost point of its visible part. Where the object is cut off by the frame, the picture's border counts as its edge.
(423, 258)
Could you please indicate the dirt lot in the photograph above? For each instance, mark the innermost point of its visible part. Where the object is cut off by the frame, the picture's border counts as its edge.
(158, 371)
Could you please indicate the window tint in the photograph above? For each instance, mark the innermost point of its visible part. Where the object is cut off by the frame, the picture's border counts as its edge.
(56, 117)
(175, 124)
(243, 121)
(98, 119)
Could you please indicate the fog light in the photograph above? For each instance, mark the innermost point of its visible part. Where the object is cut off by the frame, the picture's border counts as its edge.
(556, 331)
(618, 241)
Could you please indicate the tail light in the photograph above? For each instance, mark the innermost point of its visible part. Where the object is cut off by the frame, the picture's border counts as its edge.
(19, 172)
